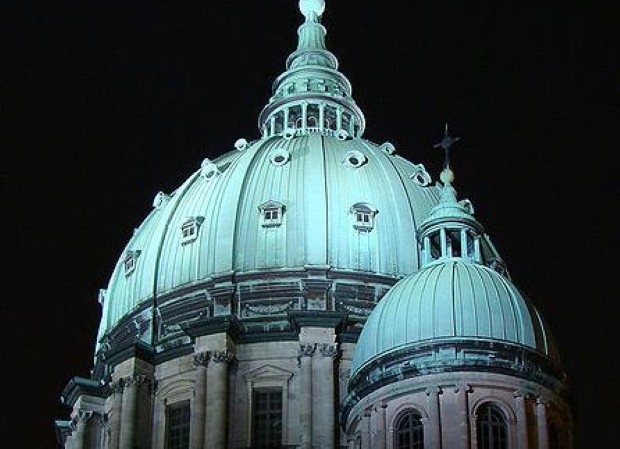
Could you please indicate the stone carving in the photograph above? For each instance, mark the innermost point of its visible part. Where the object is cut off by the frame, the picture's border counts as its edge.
(137, 379)
(117, 386)
(306, 350)
(328, 350)
(222, 356)
(356, 310)
(202, 358)
(270, 309)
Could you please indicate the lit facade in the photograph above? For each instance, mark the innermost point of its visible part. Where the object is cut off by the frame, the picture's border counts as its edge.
(313, 289)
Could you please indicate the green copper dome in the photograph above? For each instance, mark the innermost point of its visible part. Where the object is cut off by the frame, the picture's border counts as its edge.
(448, 300)
(221, 220)
(462, 293)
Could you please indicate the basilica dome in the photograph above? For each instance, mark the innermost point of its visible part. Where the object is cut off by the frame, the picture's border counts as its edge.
(276, 204)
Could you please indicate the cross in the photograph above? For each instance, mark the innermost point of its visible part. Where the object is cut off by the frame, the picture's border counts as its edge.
(446, 143)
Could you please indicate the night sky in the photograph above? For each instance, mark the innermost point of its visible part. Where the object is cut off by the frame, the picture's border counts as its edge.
(105, 103)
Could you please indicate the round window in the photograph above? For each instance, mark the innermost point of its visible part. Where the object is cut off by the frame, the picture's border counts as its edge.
(280, 157)
(355, 159)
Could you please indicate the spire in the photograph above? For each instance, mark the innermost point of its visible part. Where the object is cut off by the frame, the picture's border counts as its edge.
(450, 230)
(311, 96)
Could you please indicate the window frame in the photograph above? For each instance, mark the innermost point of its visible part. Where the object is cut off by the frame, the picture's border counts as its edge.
(415, 431)
(185, 406)
(254, 412)
(490, 409)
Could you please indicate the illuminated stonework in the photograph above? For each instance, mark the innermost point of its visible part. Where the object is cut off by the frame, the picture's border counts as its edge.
(313, 289)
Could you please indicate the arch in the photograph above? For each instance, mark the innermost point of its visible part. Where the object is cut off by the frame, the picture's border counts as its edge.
(408, 429)
(491, 427)
(175, 390)
(506, 408)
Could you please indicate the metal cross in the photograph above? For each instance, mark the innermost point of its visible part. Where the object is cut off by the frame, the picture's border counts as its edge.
(446, 143)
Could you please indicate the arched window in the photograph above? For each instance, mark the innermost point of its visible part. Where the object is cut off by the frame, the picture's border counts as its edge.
(409, 431)
(554, 437)
(491, 428)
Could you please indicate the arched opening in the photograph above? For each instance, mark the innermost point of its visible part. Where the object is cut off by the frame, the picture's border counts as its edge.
(492, 430)
(409, 431)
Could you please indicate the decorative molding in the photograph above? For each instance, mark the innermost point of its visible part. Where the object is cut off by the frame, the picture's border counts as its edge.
(270, 309)
(466, 388)
(137, 379)
(433, 390)
(356, 310)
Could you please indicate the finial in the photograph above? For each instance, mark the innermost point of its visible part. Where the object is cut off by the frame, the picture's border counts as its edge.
(446, 143)
(312, 9)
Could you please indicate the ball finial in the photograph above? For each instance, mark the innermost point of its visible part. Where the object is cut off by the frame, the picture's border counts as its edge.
(447, 176)
(310, 8)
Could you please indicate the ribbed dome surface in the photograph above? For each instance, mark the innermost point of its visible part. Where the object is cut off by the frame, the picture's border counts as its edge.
(452, 299)
(317, 188)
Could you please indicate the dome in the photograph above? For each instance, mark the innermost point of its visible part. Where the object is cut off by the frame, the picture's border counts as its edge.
(448, 301)
(216, 223)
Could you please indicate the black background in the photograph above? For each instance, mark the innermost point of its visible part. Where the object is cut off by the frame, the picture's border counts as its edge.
(104, 103)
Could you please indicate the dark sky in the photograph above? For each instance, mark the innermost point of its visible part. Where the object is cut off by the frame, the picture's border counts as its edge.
(104, 103)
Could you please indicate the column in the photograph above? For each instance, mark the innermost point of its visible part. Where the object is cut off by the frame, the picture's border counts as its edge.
(541, 424)
(304, 116)
(338, 119)
(366, 430)
(217, 400)
(324, 433)
(434, 415)
(380, 440)
(306, 351)
(463, 415)
(115, 414)
(80, 421)
(322, 116)
(444, 242)
(197, 423)
(521, 412)
(129, 410)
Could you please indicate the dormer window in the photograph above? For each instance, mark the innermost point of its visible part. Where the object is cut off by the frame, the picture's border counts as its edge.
(363, 217)
(271, 214)
(189, 229)
(129, 262)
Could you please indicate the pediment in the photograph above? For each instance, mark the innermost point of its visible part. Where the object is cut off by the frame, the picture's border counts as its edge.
(268, 372)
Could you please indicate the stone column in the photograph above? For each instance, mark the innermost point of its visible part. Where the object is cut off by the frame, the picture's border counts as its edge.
(541, 424)
(380, 440)
(434, 416)
(217, 400)
(463, 416)
(366, 430)
(306, 351)
(80, 422)
(115, 414)
(129, 410)
(197, 423)
(521, 411)
(324, 433)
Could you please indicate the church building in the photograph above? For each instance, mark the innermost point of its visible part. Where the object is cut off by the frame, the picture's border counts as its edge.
(310, 288)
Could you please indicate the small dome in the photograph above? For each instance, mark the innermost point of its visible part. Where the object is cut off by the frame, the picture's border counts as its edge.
(452, 299)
